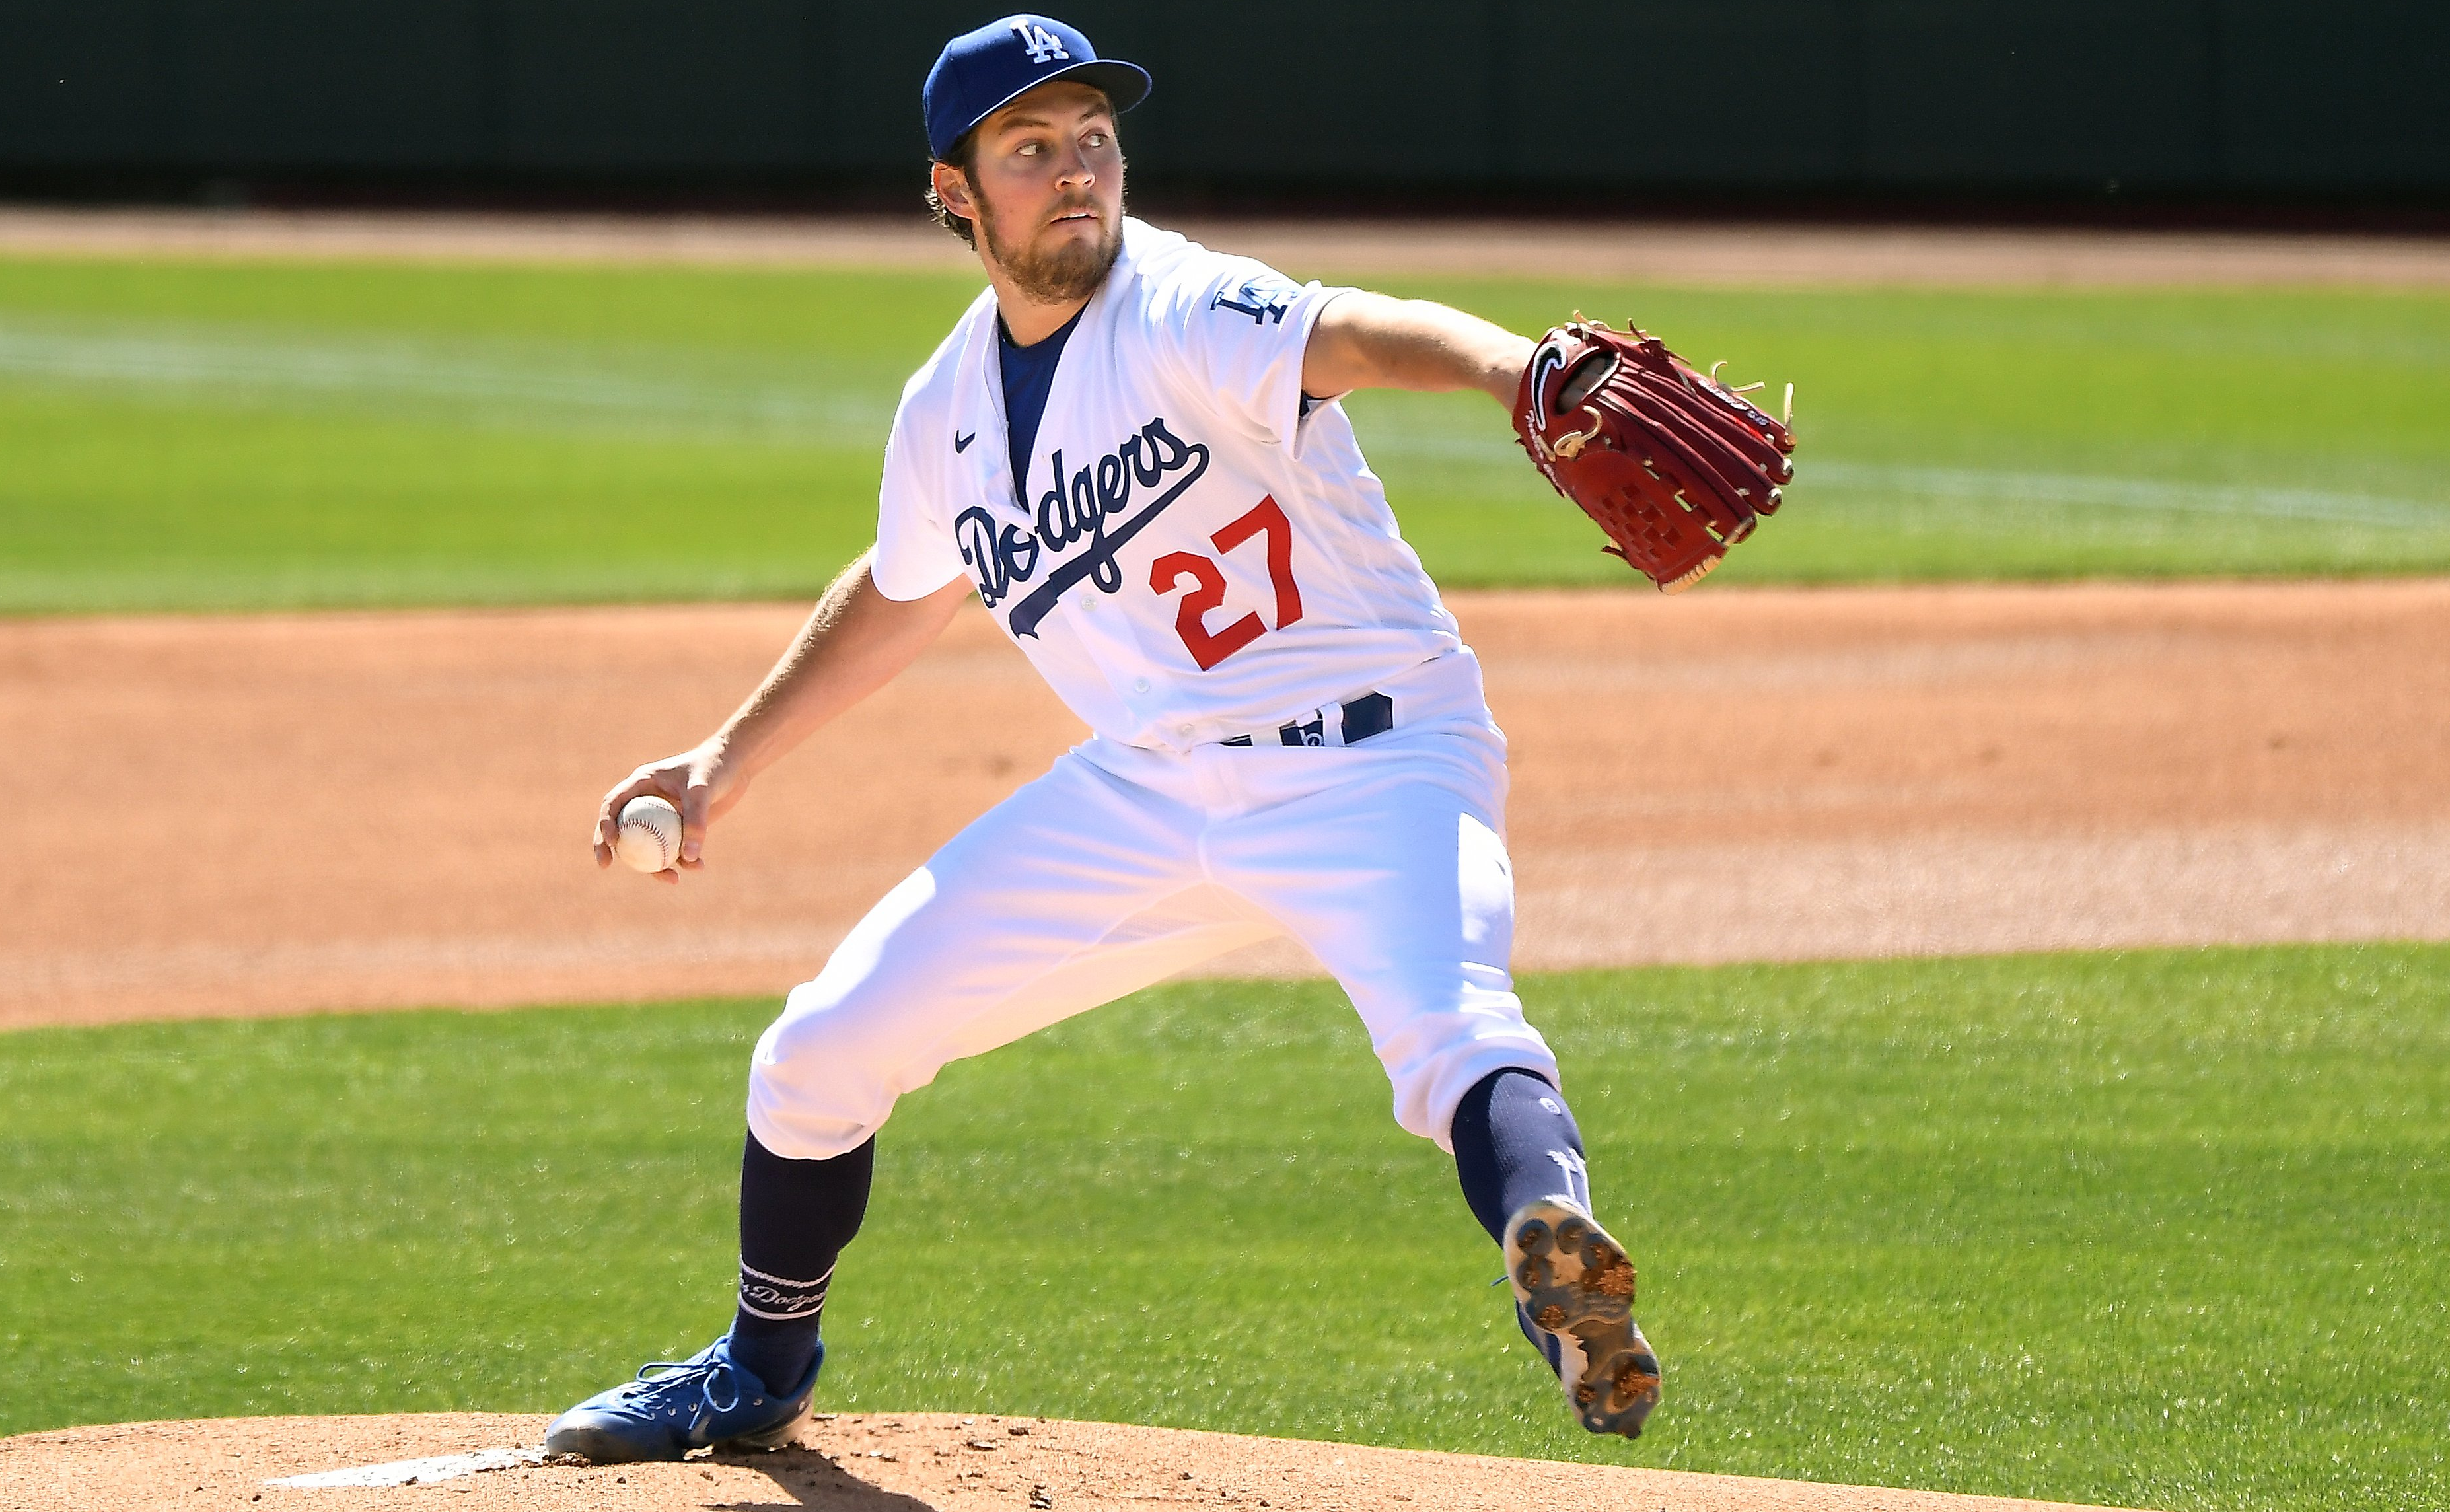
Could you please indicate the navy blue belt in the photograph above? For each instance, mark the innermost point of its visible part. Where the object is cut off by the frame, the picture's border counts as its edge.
(1370, 714)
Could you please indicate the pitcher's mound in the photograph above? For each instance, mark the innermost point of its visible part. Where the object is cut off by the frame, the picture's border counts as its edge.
(908, 1462)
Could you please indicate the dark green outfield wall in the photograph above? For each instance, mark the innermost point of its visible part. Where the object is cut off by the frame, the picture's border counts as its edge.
(2216, 97)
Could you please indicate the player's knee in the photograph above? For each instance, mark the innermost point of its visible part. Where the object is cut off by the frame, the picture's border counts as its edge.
(1455, 1035)
(822, 1080)
(850, 1014)
(813, 1024)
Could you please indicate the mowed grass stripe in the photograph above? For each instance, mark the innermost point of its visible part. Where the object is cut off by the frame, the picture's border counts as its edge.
(2160, 1229)
(234, 435)
(574, 389)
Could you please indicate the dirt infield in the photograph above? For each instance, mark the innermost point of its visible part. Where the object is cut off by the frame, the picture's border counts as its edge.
(873, 1463)
(1665, 252)
(272, 814)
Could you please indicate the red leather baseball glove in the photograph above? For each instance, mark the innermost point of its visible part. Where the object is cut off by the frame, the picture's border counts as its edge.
(1674, 465)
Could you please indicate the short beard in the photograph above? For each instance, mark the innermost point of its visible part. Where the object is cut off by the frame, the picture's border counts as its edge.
(1073, 271)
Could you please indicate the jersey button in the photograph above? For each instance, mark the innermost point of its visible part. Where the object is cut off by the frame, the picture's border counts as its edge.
(1182, 729)
(1140, 687)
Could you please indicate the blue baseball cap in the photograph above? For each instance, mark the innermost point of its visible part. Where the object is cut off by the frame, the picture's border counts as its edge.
(980, 73)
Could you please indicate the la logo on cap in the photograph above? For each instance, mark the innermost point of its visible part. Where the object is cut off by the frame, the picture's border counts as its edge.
(1043, 45)
(984, 69)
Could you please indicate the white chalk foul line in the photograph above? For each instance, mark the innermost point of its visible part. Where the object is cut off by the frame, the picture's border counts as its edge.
(417, 1472)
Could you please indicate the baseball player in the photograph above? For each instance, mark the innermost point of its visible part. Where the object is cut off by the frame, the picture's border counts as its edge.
(1130, 450)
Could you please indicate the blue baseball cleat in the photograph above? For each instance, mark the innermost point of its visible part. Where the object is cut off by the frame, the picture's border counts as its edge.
(704, 1402)
(1573, 1295)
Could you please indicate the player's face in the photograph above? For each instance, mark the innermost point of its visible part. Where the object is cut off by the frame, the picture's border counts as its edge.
(1050, 192)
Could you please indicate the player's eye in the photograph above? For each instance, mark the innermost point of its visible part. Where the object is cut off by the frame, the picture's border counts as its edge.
(1027, 149)
(1097, 138)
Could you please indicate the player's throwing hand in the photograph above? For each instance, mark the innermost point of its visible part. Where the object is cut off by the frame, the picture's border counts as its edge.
(691, 782)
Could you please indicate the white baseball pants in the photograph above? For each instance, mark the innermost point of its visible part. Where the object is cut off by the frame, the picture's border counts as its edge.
(1123, 865)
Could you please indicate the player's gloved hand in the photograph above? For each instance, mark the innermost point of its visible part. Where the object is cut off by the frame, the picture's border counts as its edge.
(700, 783)
(1673, 464)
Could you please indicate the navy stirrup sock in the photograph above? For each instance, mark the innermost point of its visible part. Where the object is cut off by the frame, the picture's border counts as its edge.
(1515, 1141)
(796, 1217)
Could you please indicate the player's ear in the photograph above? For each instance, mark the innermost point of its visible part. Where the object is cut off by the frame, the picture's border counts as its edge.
(953, 188)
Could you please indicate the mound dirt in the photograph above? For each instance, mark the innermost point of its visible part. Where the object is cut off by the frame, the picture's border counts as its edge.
(873, 1463)
(282, 813)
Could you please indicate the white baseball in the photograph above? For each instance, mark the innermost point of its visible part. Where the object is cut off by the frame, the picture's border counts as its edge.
(649, 836)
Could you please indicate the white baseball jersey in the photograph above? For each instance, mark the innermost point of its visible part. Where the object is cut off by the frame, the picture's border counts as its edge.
(1196, 552)
(1197, 559)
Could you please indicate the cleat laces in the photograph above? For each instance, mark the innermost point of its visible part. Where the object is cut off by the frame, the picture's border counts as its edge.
(704, 1374)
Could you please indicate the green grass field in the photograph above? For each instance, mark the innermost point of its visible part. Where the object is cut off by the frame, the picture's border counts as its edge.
(2155, 1229)
(2160, 1229)
(216, 435)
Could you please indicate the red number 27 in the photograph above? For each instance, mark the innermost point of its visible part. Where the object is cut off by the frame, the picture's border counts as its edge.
(1208, 648)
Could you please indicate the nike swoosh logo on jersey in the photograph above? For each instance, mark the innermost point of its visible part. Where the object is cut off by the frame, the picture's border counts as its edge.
(962, 443)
